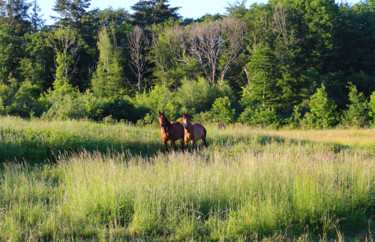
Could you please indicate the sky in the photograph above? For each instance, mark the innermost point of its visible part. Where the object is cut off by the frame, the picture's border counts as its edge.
(189, 8)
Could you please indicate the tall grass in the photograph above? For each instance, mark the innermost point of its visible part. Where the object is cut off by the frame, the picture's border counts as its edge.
(246, 185)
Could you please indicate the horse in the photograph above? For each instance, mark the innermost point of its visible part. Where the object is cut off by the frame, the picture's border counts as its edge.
(193, 132)
(171, 131)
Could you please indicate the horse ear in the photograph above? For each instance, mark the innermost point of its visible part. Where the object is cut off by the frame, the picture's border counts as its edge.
(159, 112)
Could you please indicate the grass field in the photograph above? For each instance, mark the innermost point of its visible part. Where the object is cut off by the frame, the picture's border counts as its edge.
(80, 180)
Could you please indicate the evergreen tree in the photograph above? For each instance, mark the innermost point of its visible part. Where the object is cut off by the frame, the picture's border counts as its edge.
(35, 18)
(357, 113)
(149, 12)
(108, 78)
(323, 109)
(71, 11)
(263, 76)
(14, 25)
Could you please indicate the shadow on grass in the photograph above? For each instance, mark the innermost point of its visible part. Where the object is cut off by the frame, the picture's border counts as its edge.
(226, 140)
(38, 147)
(42, 146)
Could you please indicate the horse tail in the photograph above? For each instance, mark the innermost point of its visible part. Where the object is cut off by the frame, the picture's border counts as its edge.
(205, 136)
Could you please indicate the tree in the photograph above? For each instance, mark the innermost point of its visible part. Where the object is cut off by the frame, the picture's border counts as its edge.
(223, 111)
(14, 25)
(108, 78)
(36, 19)
(263, 77)
(66, 44)
(137, 44)
(171, 56)
(357, 112)
(216, 45)
(323, 109)
(71, 11)
(149, 12)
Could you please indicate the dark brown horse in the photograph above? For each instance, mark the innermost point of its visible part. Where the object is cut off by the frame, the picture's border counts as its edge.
(193, 132)
(171, 131)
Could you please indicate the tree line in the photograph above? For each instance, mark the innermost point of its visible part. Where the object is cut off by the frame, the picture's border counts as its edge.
(304, 63)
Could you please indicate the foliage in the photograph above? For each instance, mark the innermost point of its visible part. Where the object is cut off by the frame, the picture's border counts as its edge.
(357, 112)
(371, 106)
(198, 96)
(322, 110)
(223, 111)
(275, 54)
(108, 79)
(160, 98)
(259, 116)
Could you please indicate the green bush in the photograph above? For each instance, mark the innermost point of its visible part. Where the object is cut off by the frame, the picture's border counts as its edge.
(75, 106)
(371, 107)
(198, 96)
(259, 116)
(295, 119)
(357, 112)
(222, 110)
(322, 109)
(160, 98)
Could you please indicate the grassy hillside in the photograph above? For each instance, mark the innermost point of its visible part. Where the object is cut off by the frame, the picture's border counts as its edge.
(115, 181)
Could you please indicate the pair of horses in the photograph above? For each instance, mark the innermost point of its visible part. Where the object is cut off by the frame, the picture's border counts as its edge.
(172, 131)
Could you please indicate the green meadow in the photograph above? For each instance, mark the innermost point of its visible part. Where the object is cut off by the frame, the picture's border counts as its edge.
(74, 180)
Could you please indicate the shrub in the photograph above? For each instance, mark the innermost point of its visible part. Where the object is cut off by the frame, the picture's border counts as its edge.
(203, 117)
(371, 106)
(160, 98)
(222, 110)
(357, 112)
(198, 96)
(295, 120)
(259, 116)
(75, 106)
(323, 109)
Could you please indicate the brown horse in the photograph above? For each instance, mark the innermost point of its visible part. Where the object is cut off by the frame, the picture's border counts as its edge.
(193, 132)
(171, 131)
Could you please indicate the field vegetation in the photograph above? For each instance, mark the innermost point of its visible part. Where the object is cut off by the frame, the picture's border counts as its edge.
(70, 180)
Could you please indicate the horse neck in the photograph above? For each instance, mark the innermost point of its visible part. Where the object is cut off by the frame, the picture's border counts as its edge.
(168, 126)
(190, 126)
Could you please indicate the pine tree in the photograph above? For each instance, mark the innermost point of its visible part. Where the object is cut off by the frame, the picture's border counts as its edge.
(36, 19)
(323, 109)
(263, 76)
(71, 11)
(149, 12)
(108, 78)
(357, 112)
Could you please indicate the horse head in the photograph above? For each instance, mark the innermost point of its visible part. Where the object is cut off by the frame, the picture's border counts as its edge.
(163, 121)
(185, 120)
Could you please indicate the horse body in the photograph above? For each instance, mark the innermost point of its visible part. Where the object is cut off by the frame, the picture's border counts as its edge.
(171, 131)
(194, 132)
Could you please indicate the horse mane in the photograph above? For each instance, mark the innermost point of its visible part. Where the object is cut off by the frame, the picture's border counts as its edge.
(167, 122)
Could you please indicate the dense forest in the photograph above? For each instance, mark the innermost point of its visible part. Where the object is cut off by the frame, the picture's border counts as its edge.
(296, 63)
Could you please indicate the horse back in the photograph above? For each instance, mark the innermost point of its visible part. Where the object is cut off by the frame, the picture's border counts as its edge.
(178, 130)
(199, 131)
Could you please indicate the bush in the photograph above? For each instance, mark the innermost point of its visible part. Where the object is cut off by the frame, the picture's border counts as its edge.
(160, 98)
(357, 112)
(222, 110)
(371, 106)
(75, 106)
(259, 116)
(323, 109)
(295, 120)
(198, 96)
(203, 117)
